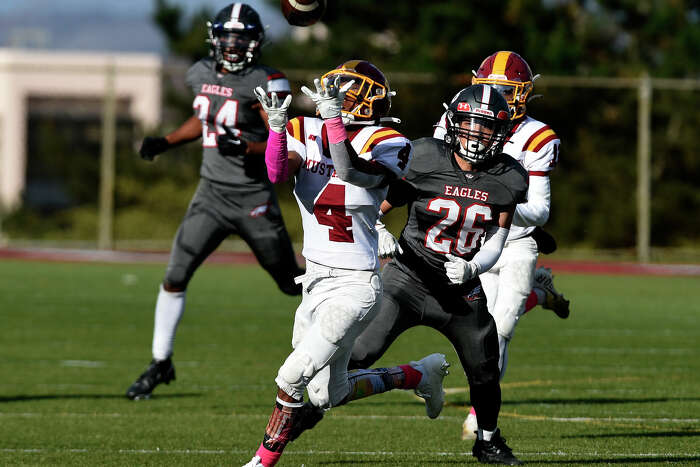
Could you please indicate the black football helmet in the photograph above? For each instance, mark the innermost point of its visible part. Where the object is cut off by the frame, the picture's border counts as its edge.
(478, 122)
(235, 37)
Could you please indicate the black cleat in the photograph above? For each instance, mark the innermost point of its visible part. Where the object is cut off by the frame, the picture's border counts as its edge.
(495, 451)
(308, 418)
(158, 371)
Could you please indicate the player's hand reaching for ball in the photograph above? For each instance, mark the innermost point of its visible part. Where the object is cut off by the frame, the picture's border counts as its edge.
(328, 96)
(276, 112)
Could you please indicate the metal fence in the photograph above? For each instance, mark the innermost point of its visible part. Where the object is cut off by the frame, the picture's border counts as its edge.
(644, 86)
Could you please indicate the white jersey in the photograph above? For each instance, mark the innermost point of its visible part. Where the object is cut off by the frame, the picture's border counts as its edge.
(536, 146)
(338, 217)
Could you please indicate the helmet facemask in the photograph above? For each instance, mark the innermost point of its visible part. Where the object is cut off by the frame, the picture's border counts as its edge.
(515, 92)
(233, 50)
(476, 138)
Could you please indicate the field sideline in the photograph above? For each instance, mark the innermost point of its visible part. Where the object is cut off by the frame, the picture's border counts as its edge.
(616, 383)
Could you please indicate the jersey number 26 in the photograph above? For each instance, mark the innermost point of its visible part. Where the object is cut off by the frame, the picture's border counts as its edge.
(469, 234)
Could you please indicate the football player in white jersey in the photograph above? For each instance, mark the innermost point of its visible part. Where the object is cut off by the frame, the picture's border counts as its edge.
(342, 163)
(509, 284)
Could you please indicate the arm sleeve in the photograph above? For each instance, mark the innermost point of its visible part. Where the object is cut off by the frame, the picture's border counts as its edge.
(490, 251)
(346, 160)
(536, 210)
(343, 156)
(277, 157)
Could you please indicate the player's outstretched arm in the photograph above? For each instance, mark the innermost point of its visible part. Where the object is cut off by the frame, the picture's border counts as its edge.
(329, 102)
(151, 146)
(277, 158)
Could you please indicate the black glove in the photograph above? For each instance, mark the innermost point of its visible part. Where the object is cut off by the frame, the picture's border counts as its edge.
(230, 145)
(152, 146)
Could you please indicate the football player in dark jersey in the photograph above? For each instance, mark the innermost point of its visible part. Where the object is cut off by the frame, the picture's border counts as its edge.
(234, 195)
(461, 194)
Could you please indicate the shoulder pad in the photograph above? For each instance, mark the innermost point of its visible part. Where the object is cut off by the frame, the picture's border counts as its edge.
(508, 172)
(379, 135)
(428, 154)
(295, 127)
(539, 138)
(277, 82)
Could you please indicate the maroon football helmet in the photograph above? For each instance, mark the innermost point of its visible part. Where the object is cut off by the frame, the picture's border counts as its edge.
(511, 75)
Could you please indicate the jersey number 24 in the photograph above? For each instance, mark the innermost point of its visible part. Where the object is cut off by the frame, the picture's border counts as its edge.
(227, 115)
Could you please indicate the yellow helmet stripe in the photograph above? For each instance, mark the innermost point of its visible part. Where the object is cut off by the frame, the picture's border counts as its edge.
(499, 64)
(383, 133)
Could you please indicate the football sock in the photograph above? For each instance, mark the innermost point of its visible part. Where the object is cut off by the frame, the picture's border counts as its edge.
(364, 383)
(277, 431)
(532, 300)
(485, 434)
(486, 399)
(169, 309)
(472, 411)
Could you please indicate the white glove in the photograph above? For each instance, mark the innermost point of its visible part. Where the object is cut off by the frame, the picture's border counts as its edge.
(276, 113)
(328, 98)
(388, 245)
(458, 270)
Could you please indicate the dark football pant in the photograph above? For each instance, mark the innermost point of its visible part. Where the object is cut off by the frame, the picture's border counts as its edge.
(217, 211)
(465, 321)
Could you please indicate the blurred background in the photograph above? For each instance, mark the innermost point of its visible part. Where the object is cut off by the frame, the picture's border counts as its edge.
(81, 83)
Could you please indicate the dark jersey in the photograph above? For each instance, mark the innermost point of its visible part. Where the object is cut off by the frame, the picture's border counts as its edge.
(228, 99)
(449, 210)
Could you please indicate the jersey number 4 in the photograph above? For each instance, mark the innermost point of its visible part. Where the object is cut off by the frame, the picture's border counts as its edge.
(329, 210)
(227, 115)
(469, 235)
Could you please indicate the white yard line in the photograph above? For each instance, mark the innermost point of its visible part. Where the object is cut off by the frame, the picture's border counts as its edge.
(288, 452)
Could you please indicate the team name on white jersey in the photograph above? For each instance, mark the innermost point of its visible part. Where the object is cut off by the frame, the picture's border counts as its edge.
(338, 217)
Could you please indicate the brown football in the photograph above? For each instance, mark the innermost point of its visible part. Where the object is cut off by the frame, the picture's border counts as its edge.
(303, 12)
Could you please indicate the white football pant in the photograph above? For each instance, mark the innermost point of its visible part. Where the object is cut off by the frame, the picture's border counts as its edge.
(507, 285)
(337, 304)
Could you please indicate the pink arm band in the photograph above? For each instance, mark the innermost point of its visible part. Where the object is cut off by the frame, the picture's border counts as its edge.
(336, 130)
(276, 157)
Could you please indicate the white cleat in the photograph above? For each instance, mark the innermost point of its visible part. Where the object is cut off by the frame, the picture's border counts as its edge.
(553, 300)
(469, 427)
(434, 369)
(254, 462)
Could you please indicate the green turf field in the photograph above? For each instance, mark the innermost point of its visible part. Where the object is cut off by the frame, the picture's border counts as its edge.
(616, 383)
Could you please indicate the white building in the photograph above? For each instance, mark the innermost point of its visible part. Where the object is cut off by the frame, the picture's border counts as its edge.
(26, 74)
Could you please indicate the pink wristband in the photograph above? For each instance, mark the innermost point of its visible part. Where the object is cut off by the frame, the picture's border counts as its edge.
(276, 157)
(336, 130)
